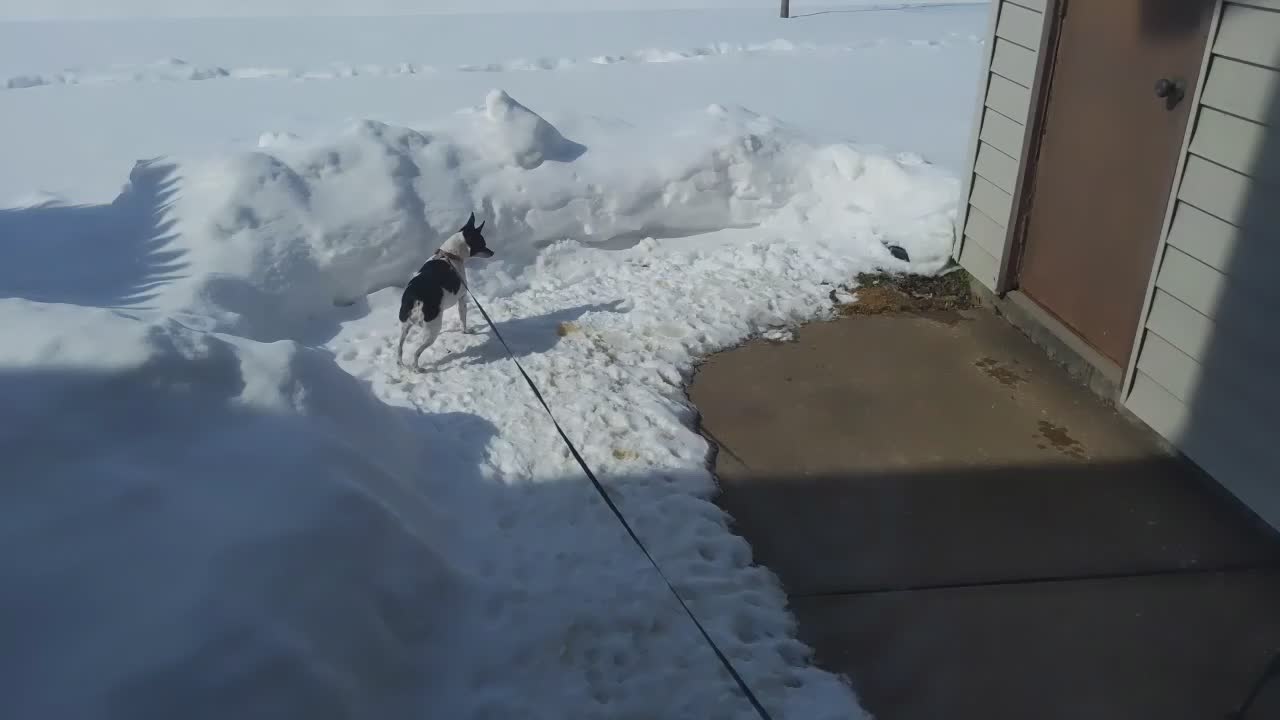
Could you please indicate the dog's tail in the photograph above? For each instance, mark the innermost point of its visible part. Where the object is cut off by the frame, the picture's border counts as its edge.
(406, 306)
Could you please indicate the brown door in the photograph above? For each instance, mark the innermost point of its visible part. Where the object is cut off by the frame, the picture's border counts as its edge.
(1107, 157)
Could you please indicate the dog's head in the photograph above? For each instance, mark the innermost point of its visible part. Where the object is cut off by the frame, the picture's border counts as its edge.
(475, 241)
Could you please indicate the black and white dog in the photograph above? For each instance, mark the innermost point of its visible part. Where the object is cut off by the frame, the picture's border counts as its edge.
(438, 286)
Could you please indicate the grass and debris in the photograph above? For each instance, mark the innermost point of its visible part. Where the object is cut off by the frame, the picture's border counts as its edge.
(877, 293)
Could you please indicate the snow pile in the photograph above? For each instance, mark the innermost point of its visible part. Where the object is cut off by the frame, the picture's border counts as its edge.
(224, 493)
(283, 234)
(524, 136)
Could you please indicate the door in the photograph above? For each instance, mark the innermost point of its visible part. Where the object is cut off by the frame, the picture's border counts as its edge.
(1108, 152)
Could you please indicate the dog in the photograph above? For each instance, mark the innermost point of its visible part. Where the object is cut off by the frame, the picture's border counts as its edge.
(439, 285)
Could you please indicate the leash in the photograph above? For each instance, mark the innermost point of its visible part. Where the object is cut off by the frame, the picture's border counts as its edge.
(724, 659)
(1269, 673)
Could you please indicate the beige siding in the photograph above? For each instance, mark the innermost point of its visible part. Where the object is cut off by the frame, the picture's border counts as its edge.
(1215, 189)
(991, 200)
(980, 263)
(1038, 5)
(1249, 34)
(1207, 374)
(1180, 324)
(1191, 281)
(997, 142)
(1002, 133)
(1014, 62)
(1242, 461)
(1019, 25)
(1171, 368)
(1241, 89)
(986, 232)
(1156, 407)
(1237, 144)
(1008, 98)
(1203, 236)
(997, 167)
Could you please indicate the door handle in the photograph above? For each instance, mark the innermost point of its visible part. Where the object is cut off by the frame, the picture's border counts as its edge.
(1172, 91)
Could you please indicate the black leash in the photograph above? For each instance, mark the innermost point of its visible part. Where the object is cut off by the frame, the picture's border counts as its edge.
(1269, 673)
(724, 660)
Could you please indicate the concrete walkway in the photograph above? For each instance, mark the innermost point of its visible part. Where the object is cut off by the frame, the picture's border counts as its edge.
(966, 533)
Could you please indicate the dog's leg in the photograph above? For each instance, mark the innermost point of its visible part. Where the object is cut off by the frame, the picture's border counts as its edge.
(462, 312)
(432, 328)
(404, 332)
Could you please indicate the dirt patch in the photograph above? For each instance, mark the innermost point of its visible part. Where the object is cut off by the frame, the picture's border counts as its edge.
(888, 293)
(567, 328)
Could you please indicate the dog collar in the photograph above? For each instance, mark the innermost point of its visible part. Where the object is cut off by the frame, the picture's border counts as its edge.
(449, 256)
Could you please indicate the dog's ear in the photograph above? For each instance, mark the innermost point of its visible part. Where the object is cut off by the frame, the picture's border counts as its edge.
(471, 223)
(481, 226)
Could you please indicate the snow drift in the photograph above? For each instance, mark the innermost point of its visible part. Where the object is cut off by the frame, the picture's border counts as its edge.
(281, 235)
(205, 509)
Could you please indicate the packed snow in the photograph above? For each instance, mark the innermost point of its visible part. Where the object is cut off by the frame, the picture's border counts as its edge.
(225, 499)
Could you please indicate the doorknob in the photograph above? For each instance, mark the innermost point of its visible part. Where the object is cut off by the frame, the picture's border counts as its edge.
(1172, 91)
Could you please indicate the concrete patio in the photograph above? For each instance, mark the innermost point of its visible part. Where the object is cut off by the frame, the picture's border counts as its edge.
(967, 533)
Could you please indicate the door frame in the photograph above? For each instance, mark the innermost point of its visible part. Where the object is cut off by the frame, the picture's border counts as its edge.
(1024, 185)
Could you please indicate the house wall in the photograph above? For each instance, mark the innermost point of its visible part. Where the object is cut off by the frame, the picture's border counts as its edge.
(1207, 371)
(1000, 135)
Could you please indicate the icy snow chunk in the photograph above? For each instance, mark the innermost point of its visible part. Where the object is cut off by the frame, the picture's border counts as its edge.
(276, 139)
(527, 138)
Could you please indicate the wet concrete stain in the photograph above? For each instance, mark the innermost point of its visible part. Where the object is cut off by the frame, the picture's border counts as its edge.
(999, 372)
(1061, 440)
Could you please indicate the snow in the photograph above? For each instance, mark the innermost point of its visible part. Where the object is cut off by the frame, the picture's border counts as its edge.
(900, 80)
(114, 9)
(223, 493)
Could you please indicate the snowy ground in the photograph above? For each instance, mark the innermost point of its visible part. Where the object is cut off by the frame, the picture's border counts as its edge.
(222, 492)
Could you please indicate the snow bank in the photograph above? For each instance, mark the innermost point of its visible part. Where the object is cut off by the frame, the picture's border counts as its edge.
(282, 235)
(206, 509)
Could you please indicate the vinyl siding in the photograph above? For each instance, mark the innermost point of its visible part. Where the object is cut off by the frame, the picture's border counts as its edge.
(1207, 374)
(999, 136)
